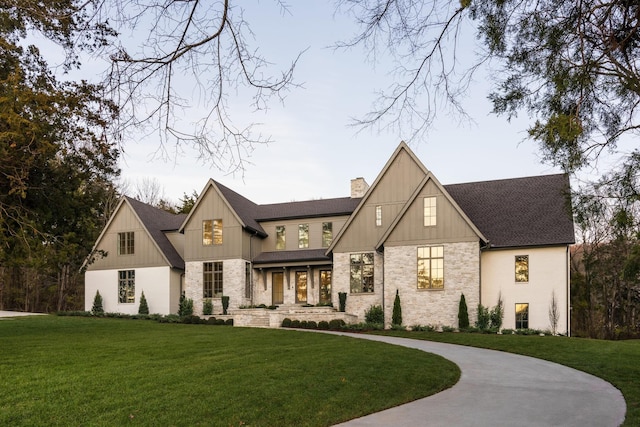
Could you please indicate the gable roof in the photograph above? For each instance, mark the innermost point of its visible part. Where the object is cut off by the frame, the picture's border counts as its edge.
(307, 209)
(156, 221)
(531, 211)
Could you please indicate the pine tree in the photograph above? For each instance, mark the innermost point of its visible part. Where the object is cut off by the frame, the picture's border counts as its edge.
(97, 309)
(144, 307)
(463, 314)
(396, 317)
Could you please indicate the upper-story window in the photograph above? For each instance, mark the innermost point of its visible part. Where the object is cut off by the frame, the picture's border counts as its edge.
(303, 236)
(361, 272)
(378, 216)
(212, 232)
(429, 211)
(327, 234)
(126, 243)
(281, 243)
(522, 268)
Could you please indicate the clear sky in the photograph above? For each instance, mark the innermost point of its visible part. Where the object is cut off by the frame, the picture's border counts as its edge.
(315, 152)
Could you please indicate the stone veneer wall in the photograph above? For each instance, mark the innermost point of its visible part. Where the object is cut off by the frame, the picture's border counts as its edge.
(357, 304)
(233, 285)
(432, 307)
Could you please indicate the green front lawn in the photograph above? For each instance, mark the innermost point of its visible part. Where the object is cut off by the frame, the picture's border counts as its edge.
(91, 372)
(617, 362)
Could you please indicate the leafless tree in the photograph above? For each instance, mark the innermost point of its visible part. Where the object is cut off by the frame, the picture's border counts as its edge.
(554, 313)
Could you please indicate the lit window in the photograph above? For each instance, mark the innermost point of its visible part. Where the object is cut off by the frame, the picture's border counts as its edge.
(325, 286)
(431, 267)
(378, 216)
(327, 234)
(362, 273)
(212, 279)
(429, 211)
(303, 236)
(522, 316)
(127, 287)
(522, 268)
(301, 286)
(280, 237)
(212, 232)
(126, 244)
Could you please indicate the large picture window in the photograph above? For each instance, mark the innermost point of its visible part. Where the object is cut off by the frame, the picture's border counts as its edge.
(362, 273)
(126, 243)
(281, 238)
(327, 234)
(127, 287)
(522, 268)
(431, 267)
(303, 236)
(212, 279)
(212, 232)
(522, 316)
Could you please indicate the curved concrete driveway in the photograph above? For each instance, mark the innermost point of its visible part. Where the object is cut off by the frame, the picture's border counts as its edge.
(502, 389)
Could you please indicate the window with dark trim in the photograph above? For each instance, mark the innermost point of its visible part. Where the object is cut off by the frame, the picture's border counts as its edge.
(212, 279)
(281, 237)
(127, 286)
(327, 234)
(361, 273)
(303, 236)
(126, 243)
(431, 267)
(522, 316)
(522, 268)
(212, 232)
(325, 286)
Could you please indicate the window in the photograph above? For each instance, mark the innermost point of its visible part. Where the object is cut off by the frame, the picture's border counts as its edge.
(429, 211)
(212, 232)
(361, 273)
(303, 236)
(431, 267)
(126, 244)
(522, 316)
(280, 237)
(247, 280)
(325, 286)
(212, 279)
(127, 286)
(522, 268)
(327, 234)
(301, 286)
(378, 216)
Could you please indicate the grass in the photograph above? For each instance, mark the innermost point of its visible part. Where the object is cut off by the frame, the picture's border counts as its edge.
(614, 361)
(61, 371)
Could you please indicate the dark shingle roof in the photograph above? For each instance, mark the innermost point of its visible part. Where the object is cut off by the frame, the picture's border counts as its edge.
(156, 221)
(244, 208)
(532, 211)
(305, 255)
(308, 209)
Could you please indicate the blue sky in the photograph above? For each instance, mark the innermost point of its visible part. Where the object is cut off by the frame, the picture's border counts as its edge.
(315, 152)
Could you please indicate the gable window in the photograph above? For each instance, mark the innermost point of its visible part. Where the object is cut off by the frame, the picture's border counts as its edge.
(378, 216)
(431, 267)
(212, 279)
(430, 206)
(280, 237)
(361, 273)
(126, 243)
(522, 316)
(212, 232)
(303, 236)
(127, 286)
(522, 268)
(327, 234)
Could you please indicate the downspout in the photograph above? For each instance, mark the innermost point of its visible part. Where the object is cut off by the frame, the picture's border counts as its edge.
(568, 290)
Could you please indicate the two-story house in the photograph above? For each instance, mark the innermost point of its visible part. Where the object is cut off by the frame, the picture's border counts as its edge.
(406, 233)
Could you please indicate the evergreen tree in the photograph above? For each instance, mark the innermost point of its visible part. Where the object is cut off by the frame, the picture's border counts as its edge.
(463, 314)
(396, 317)
(97, 308)
(144, 307)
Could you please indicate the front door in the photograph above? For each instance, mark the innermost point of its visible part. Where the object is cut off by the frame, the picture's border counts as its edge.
(301, 286)
(277, 285)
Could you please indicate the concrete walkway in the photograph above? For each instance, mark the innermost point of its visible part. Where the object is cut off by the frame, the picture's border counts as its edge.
(18, 314)
(502, 389)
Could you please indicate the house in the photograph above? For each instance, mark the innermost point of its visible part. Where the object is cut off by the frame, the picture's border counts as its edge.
(497, 240)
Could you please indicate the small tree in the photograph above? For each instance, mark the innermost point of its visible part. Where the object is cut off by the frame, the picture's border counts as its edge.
(225, 304)
(97, 309)
(144, 307)
(483, 317)
(396, 317)
(186, 306)
(207, 307)
(375, 314)
(554, 313)
(463, 314)
(497, 313)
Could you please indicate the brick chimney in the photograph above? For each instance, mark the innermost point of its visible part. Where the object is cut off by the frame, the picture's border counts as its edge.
(358, 187)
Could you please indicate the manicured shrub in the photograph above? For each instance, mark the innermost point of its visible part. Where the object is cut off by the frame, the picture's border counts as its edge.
(207, 307)
(295, 323)
(191, 319)
(186, 306)
(211, 321)
(323, 324)
(303, 324)
(225, 304)
(463, 314)
(311, 324)
(228, 322)
(484, 317)
(336, 324)
(97, 309)
(375, 314)
(286, 322)
(342, 297)
(396, 316)
(220, 322)
(144, 307)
